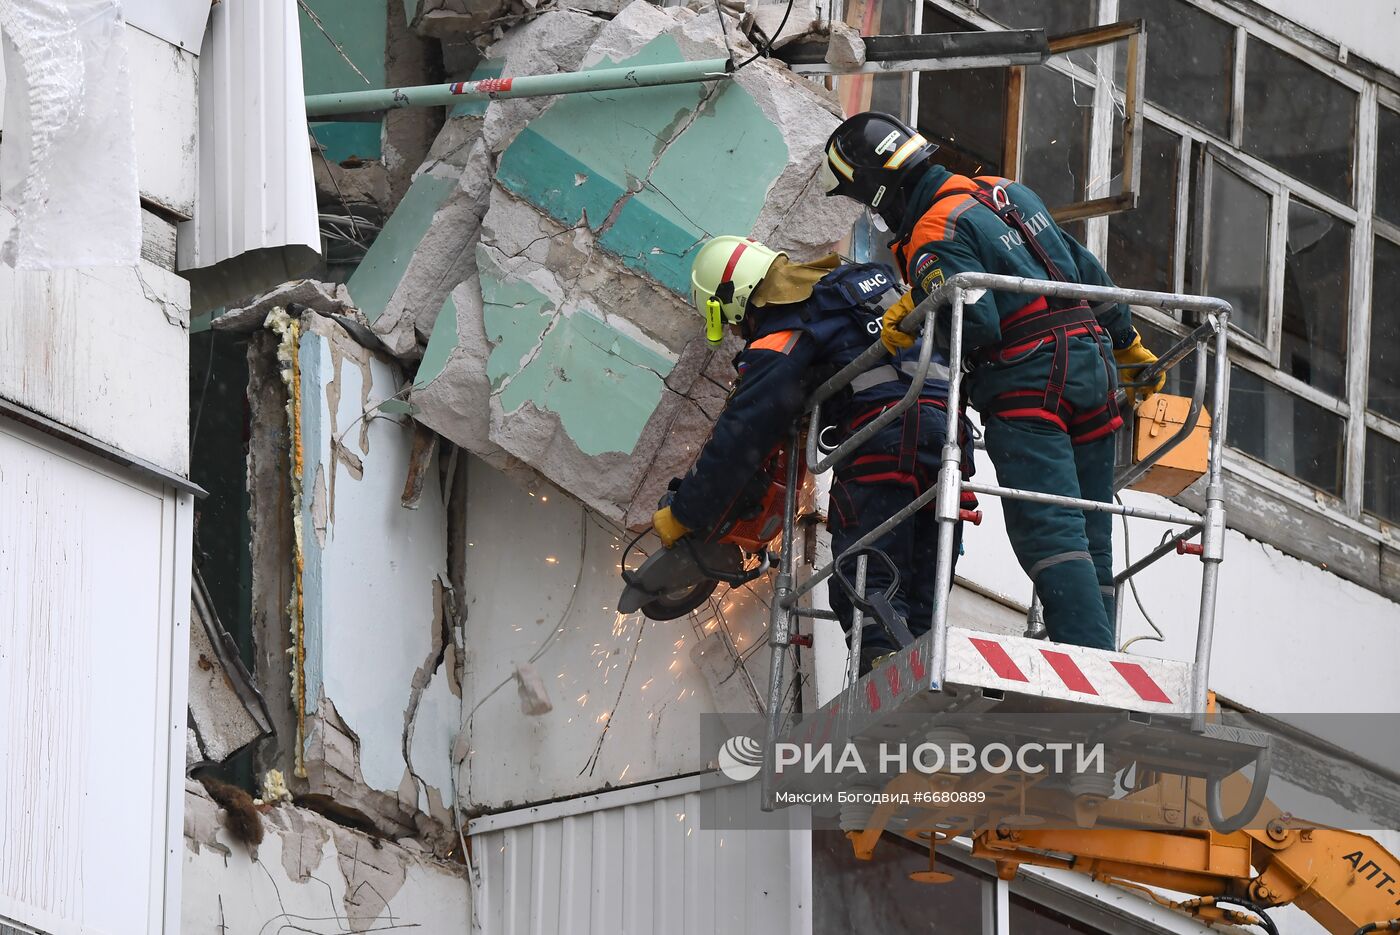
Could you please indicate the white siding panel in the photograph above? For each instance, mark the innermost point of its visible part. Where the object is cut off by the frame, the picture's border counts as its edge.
(91, 706)
(103, 351)
(164, 102)
(624, 864)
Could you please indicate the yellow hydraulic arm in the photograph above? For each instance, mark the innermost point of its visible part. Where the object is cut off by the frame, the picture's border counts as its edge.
(1345, 880)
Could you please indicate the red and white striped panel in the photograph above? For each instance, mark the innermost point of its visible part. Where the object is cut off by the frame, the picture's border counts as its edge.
(1072, 673)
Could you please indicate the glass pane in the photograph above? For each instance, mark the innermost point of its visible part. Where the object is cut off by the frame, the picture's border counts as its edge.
(1190, 60)
(1381, 488)
(963, 111)
(1388, 167)
(1299, 119)
(1237, 250)
(1383, 395)
(887, 92)
(1055, 16)
(1055, 142)
(845, 901)
(1286, 432)
(1316, 278)
(1141, 241)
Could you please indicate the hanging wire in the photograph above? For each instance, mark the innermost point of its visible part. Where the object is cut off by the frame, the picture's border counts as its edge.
(1156, 636)
(767, 48)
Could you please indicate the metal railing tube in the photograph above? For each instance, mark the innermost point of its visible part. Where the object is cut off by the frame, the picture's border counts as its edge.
(949, 490)
(1155, 554)
(1094, 506)
(779, 618)
(910, 398)
(857, 624)
(1213, 532)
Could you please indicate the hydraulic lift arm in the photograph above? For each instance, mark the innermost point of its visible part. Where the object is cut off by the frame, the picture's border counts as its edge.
(1345, 880)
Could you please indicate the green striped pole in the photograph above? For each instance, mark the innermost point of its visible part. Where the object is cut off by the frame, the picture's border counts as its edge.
(440, 95)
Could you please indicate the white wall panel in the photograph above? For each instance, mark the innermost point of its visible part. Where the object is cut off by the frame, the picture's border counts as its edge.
(165, 103)
(92, 704)
(638, 861)
(105, 352)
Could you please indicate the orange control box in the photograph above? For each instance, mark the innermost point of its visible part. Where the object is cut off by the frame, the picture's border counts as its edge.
(1159, 418)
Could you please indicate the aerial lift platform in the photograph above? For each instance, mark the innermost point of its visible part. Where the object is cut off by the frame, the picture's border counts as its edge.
(1189, 820)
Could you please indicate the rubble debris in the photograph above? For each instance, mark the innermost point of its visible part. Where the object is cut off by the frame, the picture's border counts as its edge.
(323, 297)
(845, 48)
(226, 712)
(533, 691)
(241, 817)
(564, 338)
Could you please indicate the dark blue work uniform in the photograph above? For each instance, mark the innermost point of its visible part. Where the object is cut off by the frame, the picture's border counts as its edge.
(1043, 382)
(793, 349)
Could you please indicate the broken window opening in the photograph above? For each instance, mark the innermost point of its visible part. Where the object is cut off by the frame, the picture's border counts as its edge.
(1055, 145)
(1383, 391)
(1309, 131)
(1316, 297)
(963, 110)
(1054, 16)
(1190, 67)
(1381, 490)
(1142, 242)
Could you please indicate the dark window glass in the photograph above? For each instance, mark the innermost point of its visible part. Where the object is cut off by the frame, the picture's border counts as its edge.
(1381, 488)
(1285, 431)
(1383, 396)
(852, 895)
(889, 92)
(1299, 119)
(1388, 167)
(1190, 60)
(1237, 249)
(1054, 16)
(1055, 143)
(1141, 241)
(963, 111)
(1316, 278)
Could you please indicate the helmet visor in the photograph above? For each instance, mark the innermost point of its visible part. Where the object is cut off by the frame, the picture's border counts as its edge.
(827, 179)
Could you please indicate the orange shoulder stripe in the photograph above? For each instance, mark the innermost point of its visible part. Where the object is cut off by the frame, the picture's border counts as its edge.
(940, 222)
(780, 341)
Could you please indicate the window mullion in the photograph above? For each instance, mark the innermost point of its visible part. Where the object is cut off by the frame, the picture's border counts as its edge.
(1183, 212)
(1237, 89)
(1383, 427)
(1101, 136)
(914, 76)
(1278, 256)
(1359, 325)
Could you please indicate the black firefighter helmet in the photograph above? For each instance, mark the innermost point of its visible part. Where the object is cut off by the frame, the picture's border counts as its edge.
(870, 157)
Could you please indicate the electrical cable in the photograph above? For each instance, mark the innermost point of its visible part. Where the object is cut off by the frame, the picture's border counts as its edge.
(1157, 636)
(767, 48)
(724, 30)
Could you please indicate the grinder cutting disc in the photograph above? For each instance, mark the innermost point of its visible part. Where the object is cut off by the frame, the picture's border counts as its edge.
(672, 582)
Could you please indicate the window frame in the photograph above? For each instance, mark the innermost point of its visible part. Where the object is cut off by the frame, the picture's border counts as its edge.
(1259, 358)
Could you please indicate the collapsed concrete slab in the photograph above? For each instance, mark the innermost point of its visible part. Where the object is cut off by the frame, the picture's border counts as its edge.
(564, 338)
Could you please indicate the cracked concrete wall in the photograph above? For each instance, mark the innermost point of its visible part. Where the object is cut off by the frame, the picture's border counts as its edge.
(626, 692)
(358, 642)
(310, 874)
(541, 267)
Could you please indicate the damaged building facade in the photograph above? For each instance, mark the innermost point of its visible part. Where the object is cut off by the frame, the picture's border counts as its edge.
(390, 426)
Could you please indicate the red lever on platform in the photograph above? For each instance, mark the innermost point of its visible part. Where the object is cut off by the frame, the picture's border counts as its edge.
(1190, 548)
(971, 516)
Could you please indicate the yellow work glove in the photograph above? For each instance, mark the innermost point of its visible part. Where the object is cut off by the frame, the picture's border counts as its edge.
(667, 526)
(1131, 360)
(890, 335)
